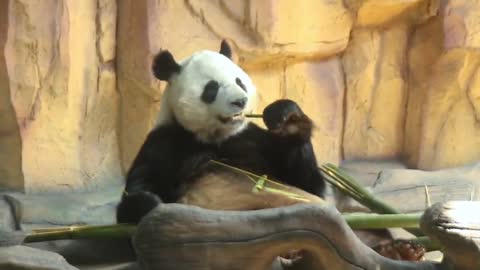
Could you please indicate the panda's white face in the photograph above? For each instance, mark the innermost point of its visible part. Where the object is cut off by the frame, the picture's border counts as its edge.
(209, 97)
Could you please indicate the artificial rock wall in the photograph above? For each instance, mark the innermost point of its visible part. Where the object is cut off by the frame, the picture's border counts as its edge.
(390, 79)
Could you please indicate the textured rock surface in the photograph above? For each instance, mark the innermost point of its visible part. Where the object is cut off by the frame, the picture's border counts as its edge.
(371, 13)
(11, 176)
(27, 258)
(376, 93)
(451, 112)
(263, 32)
(426, 45)
(460, 23)
(415, 190)
(366, 172)
(444, 109)
(59, 58)
(92, 254)
(64, 209)
(7, 219)
(442, 115)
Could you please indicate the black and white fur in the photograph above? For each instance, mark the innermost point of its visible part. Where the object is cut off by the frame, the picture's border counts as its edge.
(202, 118)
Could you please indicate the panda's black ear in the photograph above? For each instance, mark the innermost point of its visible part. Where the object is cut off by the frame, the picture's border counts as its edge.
(164, 65)
(225, 49)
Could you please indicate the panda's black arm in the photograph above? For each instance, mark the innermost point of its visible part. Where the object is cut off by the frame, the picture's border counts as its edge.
(289, 138)
(296, 164)
(154, 165)
(155, 174)
(139, 196)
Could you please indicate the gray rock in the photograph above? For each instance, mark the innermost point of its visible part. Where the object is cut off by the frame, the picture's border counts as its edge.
(180, 237)
(87, 252)
(123, 266)
(27, 258)
(456, 226)
(7, 221)
(366, 172)
(64, 208)
(407, 190)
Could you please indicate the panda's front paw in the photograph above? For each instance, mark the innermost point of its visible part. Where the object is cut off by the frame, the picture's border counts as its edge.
(133, 207)
(285, 118)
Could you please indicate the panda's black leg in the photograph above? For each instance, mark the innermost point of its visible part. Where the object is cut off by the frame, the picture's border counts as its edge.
(134, 206)
(285, 119)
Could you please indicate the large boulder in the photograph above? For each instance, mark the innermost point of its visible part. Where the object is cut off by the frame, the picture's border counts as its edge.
(27, 258)
(416, 190)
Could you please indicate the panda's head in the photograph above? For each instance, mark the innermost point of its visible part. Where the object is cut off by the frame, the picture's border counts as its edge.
(206, 94)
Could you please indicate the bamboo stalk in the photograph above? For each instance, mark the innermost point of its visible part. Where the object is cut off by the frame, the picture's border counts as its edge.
(428, 243)
(114, 231)
(253, 115)
(377, 221)
(346, 184)
(125, 231)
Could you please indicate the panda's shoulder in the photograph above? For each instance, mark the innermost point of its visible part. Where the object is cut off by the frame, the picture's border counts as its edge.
(166, 134)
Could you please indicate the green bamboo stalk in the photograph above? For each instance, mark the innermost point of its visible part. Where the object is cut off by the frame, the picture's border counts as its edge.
(115, 231)
(363, 195)
(125, 231)
(377, 221)
(253, 115)
(428, 243)
(346, 184)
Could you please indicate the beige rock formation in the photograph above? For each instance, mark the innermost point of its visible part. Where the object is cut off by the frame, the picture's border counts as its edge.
(59, 58)
(460, 23)
(442, 115)
(451, 113)
(372, 13)
(426, 45)
(11, 176)
(270, 31)
(381, 79)
(374, 66)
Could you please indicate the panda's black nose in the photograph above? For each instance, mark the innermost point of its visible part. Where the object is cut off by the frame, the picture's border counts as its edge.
(240, 103)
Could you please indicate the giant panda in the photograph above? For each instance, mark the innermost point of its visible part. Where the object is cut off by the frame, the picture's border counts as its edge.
(202, 122)
(202, 119)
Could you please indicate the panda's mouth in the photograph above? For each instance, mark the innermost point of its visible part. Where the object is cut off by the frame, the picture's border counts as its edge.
(231, 119)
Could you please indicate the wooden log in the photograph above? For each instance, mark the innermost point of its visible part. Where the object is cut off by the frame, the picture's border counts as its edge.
(456, 226)
(181, 237)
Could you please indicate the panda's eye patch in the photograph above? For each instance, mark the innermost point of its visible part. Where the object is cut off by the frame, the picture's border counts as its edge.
(239, 83)
(210, 92)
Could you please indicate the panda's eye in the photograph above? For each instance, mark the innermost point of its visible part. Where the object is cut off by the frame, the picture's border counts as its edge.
(239, 83)
(210, 91)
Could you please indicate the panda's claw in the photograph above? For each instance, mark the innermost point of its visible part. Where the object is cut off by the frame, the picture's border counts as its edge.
(295, 125)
